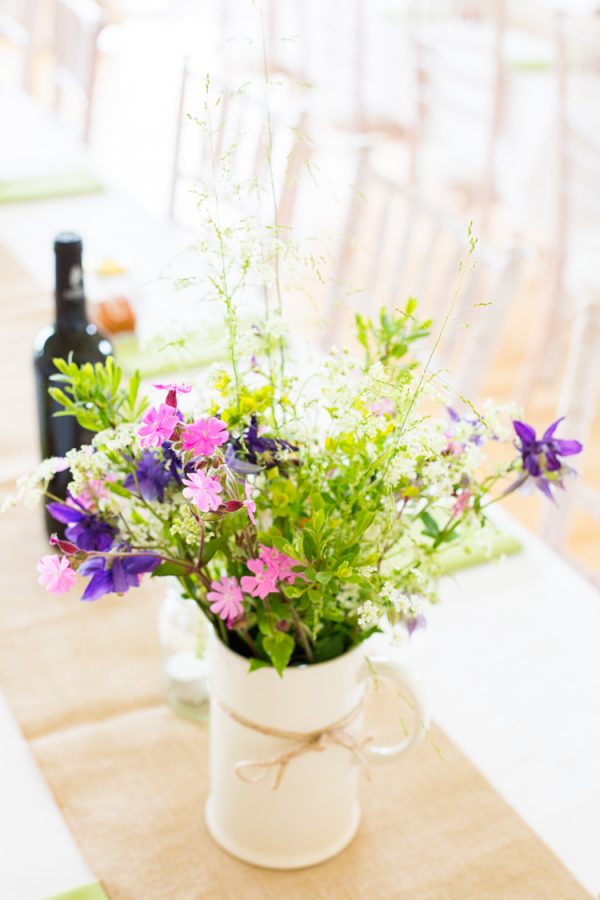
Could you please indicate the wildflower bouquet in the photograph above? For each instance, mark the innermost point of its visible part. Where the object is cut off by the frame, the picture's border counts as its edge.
(296, 508)
(296, 512)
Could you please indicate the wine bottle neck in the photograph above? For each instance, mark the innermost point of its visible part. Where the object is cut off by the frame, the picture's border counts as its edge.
(69, 296)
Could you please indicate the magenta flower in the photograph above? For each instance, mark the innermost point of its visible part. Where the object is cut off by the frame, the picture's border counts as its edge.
(279, 564)
(226, 599)
(262, 582)
(461, 504)
(178, 388)
(203, 491)
(65, 546)
(249, 502)
(204, 436)
(56, 574)
(158, 425)
(172, 391)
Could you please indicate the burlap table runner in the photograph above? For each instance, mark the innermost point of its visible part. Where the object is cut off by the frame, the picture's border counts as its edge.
(131, 778)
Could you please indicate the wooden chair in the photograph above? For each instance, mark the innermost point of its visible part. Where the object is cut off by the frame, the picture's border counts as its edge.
(244, 136)
(334, 50)
(460, 83)
(77, 24)
(573, 254)
(17, 19)
(398, 244)
(579, 403)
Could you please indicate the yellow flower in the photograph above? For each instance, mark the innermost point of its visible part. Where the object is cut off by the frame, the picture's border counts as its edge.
(222, 382)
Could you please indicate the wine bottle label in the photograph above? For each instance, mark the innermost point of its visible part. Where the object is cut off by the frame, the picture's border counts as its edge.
(75, 289)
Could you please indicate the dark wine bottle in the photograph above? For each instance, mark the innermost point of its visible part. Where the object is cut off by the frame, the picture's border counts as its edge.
(71, 333)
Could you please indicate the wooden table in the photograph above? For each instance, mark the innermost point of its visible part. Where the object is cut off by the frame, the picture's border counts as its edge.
(510, 657)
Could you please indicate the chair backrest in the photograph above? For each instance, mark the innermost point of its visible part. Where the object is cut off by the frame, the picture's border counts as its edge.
(238, 134)
(578, 52)
(398, 244)
(324, 45)
(457, 50)
(16, 26)
(573, 249)
(77, 24)
(579, 402)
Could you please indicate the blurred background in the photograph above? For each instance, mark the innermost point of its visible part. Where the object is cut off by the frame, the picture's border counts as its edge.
(392, 126)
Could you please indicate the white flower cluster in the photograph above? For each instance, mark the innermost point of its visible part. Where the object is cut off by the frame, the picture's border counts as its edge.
(275, 327)
(369, 615)
(185, 526)
(403, 467)
(124, 437)
(408, 605)
(440, 476)
(30, 488)
(87, 464)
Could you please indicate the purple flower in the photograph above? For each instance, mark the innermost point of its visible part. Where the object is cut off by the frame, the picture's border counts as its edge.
(259, 450)
(541, 455)
(175, 464)
(87, 530)
(151, 475)
(115, 575)
(414, 622)
(239, 466)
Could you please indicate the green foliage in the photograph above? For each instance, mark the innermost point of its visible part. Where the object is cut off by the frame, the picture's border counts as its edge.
(390, 338)
(279, 648)
(94, 394)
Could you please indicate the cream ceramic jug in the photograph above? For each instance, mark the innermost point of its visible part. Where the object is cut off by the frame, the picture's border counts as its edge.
(287, 753)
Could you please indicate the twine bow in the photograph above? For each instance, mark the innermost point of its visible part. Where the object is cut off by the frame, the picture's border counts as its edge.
(253, 771)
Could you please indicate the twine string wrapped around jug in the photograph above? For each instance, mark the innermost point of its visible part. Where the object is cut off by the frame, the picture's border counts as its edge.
(253, 771)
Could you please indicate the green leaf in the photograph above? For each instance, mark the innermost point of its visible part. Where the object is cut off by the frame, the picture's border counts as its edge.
(284, 546)
(118, 489)
(279, 647)
(134, 385)
(171, 568)
(329, 647)
(324, 577)
(431, 526)
(411, 305)
(309, 544)
(211, 547)
(258, 664)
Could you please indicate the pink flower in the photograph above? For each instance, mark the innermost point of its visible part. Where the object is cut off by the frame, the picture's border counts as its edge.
(66, 546)
(226, 599)
(382, 407)
(178, 388)
(249, 502)
(172, 391)
(93, 491)
(461, 504)
(204, 436)
(56, 574)
(158, 425)
(262, 582)
(279, 564)
(203, 491)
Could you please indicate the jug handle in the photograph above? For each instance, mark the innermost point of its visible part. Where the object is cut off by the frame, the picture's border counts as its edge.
(413, 692)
